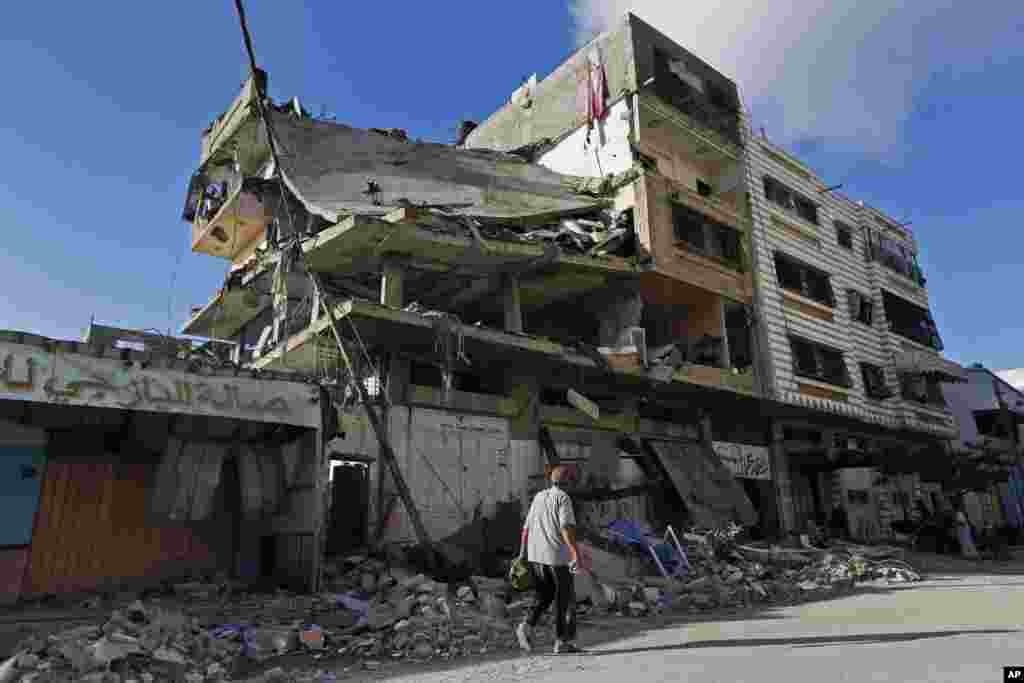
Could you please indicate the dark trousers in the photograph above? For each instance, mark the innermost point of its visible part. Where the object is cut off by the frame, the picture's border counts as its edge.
(554, 584)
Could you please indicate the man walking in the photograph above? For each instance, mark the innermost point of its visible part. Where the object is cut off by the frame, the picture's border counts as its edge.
(549, 544)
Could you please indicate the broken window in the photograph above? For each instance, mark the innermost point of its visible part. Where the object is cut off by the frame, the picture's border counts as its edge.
(483, 382)
(989, 424)
(911, 321)
(922, 388)
(862, 308)
(663, 323)
(874, 381)
(844, 235)
(737, 329)
(706, 236)
(686, 87)
(790, 200)
(820, 362)
(803, 279)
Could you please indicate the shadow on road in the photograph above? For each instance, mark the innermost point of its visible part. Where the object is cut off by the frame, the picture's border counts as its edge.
(596, 630)
(958, 586)
(809, 641)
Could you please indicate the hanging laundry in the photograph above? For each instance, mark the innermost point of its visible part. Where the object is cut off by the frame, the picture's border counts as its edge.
(598, 89)
(583, 95)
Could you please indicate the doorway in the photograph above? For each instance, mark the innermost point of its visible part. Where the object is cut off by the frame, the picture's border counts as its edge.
(350, 498)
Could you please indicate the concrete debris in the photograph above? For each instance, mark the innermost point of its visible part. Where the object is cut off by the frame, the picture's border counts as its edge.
(408, 616)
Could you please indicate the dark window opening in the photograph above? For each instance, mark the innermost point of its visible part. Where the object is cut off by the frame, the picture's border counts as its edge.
(990, 424)
(921, 388)
(844, 235)
(486, 382)
(874, 381)
(663, 323)
(790, 200)
(554, 397)
(804, 280)
(862, 308)
(706, 236)
(703, 189)
(737, 329)
(819, 362)
(910, 321)
(799, 434)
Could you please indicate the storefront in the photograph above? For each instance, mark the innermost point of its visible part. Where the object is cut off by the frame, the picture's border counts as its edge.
(121, 468)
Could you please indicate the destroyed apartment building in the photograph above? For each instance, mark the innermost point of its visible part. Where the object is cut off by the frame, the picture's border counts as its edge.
(609, 271)
(502, 316)
(844, 351)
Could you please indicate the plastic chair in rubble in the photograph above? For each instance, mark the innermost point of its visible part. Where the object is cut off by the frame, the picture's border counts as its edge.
(667, 552)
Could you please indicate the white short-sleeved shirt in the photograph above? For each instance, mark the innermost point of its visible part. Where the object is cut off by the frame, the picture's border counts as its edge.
(550, 512)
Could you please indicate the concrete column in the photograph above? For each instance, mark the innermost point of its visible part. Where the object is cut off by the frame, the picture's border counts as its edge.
(783, 485)
(392, 283)
(526, 394)
(511, 303)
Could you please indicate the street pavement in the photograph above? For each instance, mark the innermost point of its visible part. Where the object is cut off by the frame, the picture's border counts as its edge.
(949, 628)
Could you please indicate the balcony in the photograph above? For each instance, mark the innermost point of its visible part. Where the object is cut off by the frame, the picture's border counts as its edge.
(897, 259)
(911, 322)
(230, 227)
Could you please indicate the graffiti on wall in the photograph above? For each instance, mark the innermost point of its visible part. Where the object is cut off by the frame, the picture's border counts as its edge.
(747, 462)
(34, 375)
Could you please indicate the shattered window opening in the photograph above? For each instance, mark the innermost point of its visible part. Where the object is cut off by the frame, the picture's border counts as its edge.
(989, 424)
(910, 321)
(875, 385)
(705, 236)
(922, 388)
(483, 382)
(700, 98)
(819, 362)
(862, 308)
(790, 200)
(844, 235)
(804, 280)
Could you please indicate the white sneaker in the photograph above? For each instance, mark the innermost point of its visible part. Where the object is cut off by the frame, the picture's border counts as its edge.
(523, 634)
(567, 648)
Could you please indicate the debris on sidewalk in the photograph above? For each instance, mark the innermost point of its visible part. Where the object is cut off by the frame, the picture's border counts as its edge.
(375, 612)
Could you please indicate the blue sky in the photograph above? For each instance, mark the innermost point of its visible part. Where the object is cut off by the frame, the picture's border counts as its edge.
(916, 115)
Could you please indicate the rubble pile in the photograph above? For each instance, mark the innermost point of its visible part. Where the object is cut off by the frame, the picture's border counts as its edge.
(204, 632)
(741, 576)
(371, 613)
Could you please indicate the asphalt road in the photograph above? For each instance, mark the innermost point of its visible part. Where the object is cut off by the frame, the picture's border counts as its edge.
(952, 628)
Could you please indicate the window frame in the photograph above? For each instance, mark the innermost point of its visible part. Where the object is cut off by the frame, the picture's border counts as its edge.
(933, 396)
(865, 300)
(928, 336)
(711, 232)
(872, 386)
(844, 229)
(805, 269)
(793, 200)
(821, 372)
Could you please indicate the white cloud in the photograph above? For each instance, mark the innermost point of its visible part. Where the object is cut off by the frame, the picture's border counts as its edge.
(1014, 377)
(846, 72)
